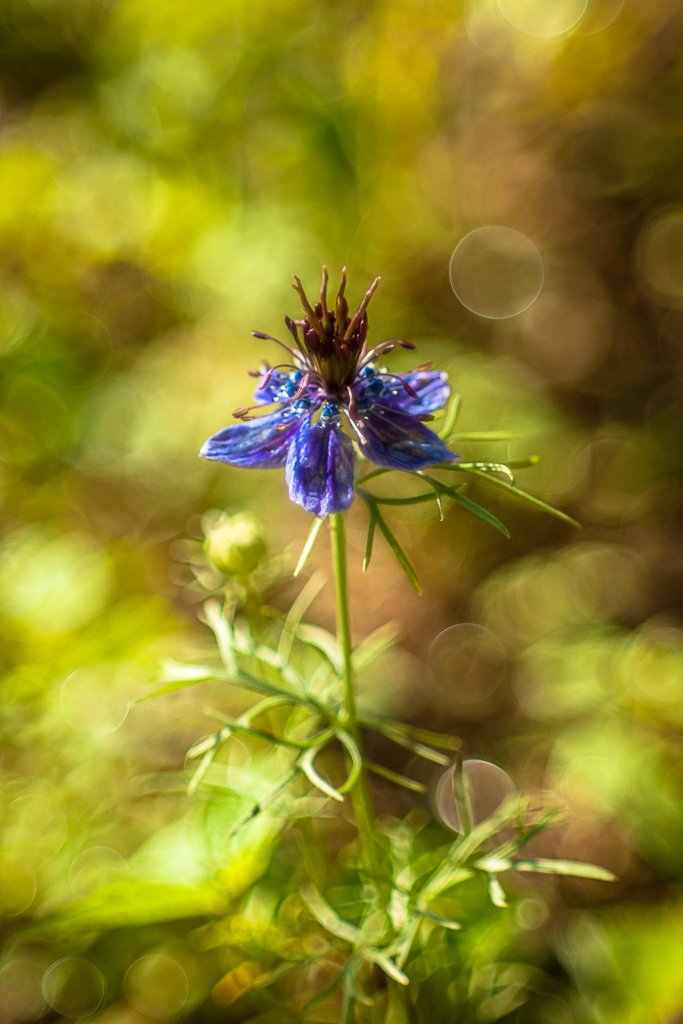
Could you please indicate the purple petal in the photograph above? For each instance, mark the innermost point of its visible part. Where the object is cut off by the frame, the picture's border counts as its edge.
(274, 380)
(430, 387)
(398, 440)
(260, 442)
(320, 466)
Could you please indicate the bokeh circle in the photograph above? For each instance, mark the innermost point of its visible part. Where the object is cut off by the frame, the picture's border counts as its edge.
(74, 987)
(156, 985)
(541, 18)
(496, 272)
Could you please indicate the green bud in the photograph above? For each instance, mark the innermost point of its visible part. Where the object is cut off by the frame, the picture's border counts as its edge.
(235, 544)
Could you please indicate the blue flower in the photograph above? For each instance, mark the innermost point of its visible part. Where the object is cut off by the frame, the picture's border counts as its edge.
(331, 378)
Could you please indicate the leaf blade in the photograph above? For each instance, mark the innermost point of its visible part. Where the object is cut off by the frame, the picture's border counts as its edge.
(530, 499)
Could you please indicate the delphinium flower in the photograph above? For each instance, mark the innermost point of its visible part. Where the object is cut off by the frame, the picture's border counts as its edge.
(332, 382)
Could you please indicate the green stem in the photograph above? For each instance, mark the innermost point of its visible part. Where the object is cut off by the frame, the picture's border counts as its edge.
(360, 796)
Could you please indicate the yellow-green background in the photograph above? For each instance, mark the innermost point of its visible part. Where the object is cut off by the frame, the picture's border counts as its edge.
(165, 166)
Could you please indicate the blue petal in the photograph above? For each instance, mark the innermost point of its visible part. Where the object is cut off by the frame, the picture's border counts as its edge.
(320, 466)
(431, 388)
(397, 440)
(260, 442)
(270, 393)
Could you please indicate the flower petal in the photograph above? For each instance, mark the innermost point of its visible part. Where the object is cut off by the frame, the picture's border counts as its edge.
(320, 466)
(274, 381)
(397, 440)
(260, 442)
(431, 387)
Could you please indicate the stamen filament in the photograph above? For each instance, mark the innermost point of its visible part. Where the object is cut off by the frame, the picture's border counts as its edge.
(361, 309)
(269, 337)
(323, 300)
(308, 309)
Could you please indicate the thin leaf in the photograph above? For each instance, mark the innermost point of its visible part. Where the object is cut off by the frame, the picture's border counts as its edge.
(526, 831)
(321, 640)
(223, 632)
(451, 417)
(204, 765)
(438, 490)
(473, 507)
(400, 554)
(526, 462)
(370, 539)
(201, 746)
(573, 868)
(401, 948)
(380, 640)
(299, 607)
(178, 672)
(451, 872)
(485, 436)
(435, 739)
(510, 810)
(347, 741)
(444, 922)
(328, 918)
(395, 777)
(388, 966)
(376, 519)
(263, 804)
(308, 546)
(497, 892)
(412, 499)
(275, 660)
(250, 682)
(235, 725)
(472, 470)
(395, 732)
(307, 765)
(462, 791)
(162, 691)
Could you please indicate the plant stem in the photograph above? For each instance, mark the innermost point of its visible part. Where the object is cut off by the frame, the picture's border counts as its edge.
(360, 796)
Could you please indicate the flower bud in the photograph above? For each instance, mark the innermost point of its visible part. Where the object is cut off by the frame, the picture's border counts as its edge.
(235, 544)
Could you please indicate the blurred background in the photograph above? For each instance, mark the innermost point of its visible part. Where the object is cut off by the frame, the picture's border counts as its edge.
(513, 170)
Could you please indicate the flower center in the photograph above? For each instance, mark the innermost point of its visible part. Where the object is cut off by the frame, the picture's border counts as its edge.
(331, 342)
(329, 355)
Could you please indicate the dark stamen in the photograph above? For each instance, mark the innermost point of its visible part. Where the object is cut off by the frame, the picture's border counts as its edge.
(381, 350)
(323, 300)
(402, 383)
(262, 336)
(361, 309)
(341, 305)
(308, 309)
(268, 376)
(301, 390)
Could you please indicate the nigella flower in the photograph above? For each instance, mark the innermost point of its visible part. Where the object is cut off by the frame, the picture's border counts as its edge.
(331, 379)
